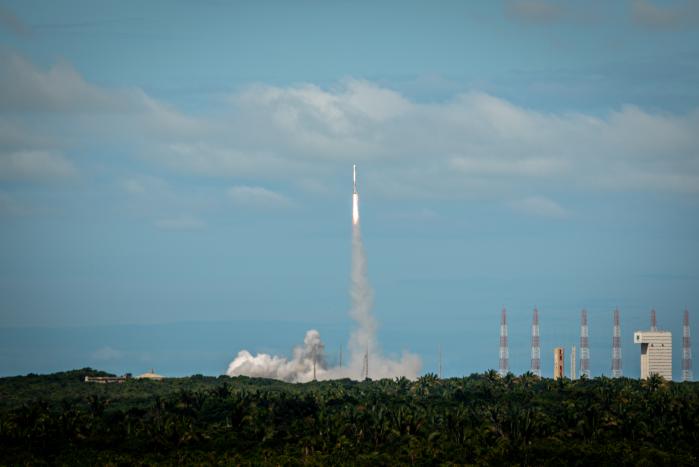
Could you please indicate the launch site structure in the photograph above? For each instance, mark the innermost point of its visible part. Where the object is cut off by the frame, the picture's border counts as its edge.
(536, 344)
(504, 350)
(584, 346)
(686, 349)
(558, 363)
(656, 353)
(616, 347)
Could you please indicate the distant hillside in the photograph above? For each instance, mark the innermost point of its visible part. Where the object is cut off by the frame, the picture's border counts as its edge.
(480, 419)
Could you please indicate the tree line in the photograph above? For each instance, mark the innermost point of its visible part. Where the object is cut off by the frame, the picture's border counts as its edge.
(479, 419)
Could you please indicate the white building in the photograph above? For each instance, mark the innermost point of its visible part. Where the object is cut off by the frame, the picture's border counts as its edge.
(656, 353)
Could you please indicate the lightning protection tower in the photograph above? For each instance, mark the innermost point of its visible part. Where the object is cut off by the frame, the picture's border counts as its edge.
(536, 344)
(686, 349)
(616, 347)
(504, 351)
(653, 321)
(584, 346)
(365, 364)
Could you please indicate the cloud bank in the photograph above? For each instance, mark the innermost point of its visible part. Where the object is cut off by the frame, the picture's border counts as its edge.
(267, 142)
(665, 17)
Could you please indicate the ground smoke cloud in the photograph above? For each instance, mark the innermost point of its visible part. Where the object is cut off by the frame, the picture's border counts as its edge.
(363, 345)
(299, 368)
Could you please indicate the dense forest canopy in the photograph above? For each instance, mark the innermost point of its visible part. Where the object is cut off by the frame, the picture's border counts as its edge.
(479, 419)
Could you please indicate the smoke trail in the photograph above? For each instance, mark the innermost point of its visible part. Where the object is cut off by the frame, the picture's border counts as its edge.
(363, 342)
(362, 299)
(363, 345)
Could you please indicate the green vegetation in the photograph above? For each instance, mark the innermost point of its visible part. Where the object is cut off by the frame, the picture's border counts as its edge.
(480, 419)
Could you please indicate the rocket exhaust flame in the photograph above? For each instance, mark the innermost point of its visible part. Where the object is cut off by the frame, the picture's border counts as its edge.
(309, 361)
(354, 177)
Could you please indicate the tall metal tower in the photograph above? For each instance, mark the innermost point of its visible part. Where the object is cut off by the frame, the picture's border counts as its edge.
(365, 364)
(653, 321)
(573, 374)
(536, 344)
(616, 347)
(686, 349)
(584, 346)
(504, 351)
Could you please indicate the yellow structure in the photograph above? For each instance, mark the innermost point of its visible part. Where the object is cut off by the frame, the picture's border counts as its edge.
(558, 362)
(151, 375)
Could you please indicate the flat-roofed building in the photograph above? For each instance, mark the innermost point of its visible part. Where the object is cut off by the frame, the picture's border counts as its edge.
(656, 353)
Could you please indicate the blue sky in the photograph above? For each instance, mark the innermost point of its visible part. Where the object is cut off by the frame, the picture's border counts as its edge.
(182, 162)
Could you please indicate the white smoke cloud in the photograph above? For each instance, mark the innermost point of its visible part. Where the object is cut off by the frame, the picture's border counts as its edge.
(365, 358)
(297, 369)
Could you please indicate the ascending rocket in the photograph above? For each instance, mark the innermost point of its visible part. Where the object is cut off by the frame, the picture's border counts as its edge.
(355, 197)
(354, 177)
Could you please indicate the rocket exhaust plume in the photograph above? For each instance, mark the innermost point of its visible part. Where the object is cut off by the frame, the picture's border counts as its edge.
(308, 361)
(355, 198)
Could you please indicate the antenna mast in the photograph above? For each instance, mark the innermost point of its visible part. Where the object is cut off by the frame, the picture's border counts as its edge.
(365, 367)
(536, 344)
(616, 347)
(584, 346)
(686, 349)
(504, 350)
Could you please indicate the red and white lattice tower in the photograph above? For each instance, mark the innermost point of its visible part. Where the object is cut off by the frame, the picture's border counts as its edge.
(504, 351)
(584, 346)
(653, 321)
(686, 349)
(616, 347)
(536, 344)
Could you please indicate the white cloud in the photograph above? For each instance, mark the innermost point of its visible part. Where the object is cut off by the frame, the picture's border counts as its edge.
(35, 165)
(525, 167)
(473, 145)
(539, 206)
(147, 185)
(534, 11)
(133, 186)
(182, 222)
(256, 196)
(23, 87)
(665, 17)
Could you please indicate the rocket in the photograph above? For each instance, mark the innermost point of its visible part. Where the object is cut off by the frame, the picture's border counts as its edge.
(355, 197)
(354, 177)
